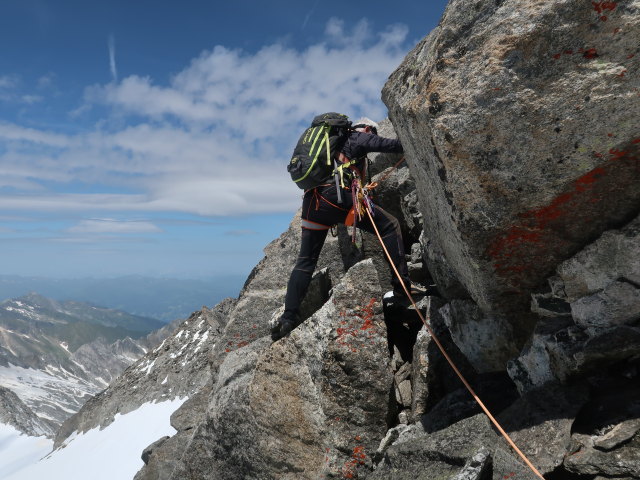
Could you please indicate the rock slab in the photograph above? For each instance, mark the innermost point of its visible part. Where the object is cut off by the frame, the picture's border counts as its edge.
(500, 111)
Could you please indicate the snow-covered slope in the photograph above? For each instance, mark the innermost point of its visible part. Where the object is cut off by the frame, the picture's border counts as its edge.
(56, 355)
(109, 454)
(53, 393)
(177, 368)
(19, 450)
(106, 439)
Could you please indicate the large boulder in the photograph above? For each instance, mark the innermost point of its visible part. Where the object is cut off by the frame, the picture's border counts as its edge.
(501, 111)
(540, 423)
(312, 405)
(417, 455)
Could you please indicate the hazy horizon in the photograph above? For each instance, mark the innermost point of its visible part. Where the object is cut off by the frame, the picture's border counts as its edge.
(165, 299)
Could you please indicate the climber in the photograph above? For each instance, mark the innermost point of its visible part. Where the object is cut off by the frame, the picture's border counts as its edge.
(321, 209)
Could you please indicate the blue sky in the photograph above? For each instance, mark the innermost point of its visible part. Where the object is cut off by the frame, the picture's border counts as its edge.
(151, 138)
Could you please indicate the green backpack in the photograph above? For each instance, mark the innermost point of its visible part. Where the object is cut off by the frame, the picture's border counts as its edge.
(312, 160)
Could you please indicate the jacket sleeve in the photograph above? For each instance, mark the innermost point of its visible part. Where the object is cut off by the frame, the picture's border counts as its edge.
(362, 143)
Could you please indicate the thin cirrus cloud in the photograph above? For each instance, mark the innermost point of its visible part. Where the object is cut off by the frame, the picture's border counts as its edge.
(112, 58)
(212, 141)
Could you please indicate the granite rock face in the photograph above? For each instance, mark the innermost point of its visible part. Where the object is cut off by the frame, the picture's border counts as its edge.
(600, 286)
(217, 447)
(449, 454)
(541, 423)
(520, 182)
(311, 405)
(486, 340)
(500, 110)
(263, 293)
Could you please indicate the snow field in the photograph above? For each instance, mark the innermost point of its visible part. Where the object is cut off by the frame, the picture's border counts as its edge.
(109, 454)
(18, 450)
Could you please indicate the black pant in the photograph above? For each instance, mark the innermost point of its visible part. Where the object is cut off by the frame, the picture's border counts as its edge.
(320, 210)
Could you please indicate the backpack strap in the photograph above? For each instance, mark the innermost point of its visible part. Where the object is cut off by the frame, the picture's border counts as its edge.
(344, 163)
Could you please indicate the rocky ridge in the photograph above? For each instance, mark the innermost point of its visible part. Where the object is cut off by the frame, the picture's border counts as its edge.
(15, 413)
(176, 368)
(523, 209)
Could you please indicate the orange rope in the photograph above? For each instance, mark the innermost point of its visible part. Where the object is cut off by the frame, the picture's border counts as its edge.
(375, 184)
(446, 356)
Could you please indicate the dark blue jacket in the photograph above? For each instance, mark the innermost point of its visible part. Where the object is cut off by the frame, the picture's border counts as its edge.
(359, 144)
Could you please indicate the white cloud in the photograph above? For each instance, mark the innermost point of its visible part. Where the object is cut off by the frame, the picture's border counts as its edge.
(137, 95)
(108, 225)
(10, 91)
(9, 132)
(8, 87)
(47, 80)
(30, 99)
(9, 81)
(215, 140)
(248, 92)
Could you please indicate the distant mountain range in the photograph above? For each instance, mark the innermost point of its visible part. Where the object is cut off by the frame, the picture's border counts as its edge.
(67, 325)
(164, 299)
(55, 355)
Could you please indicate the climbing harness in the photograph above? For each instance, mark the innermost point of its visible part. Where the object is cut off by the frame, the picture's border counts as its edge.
(361, 202)
(369, 211)
(361, 196)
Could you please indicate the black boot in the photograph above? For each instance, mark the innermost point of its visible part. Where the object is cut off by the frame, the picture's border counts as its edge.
(282, 328)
